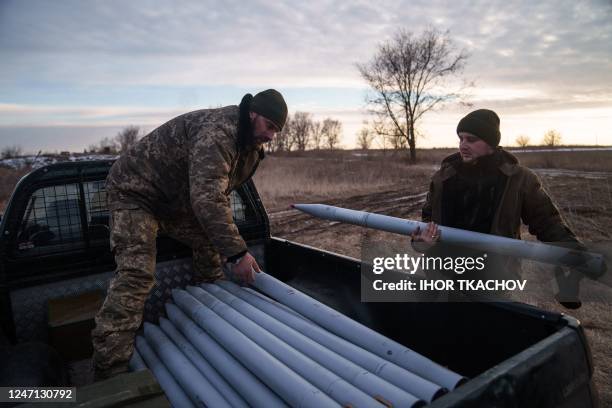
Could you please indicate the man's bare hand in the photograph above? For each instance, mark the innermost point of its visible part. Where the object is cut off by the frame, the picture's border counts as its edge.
(429, 235)
(422, 241)
(244, 270)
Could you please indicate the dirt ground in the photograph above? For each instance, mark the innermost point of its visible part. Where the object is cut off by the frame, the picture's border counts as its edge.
(584, 198)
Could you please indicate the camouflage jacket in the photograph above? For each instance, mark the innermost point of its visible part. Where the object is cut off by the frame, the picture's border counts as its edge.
(187, 167)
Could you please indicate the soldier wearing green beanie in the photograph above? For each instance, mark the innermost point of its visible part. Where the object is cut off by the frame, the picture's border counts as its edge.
(483, 188)
(178, 179)
(271, 105)
(484, 124)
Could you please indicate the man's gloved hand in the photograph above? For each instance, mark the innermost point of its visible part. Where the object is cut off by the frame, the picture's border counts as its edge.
(243, 269)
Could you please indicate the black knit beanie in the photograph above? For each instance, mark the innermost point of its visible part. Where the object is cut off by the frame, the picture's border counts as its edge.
(271, 105)
(483, 123)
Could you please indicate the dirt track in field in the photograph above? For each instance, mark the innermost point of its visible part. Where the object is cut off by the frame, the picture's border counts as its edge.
(584, 199)
(405, 202)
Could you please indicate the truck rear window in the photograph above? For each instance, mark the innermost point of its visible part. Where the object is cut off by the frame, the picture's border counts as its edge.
(53, 221)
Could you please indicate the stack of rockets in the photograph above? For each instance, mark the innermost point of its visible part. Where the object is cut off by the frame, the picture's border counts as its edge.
(224, 345)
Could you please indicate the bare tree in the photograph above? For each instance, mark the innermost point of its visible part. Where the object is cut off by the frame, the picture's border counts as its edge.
(382, 142)
(280, 142)
(10, 152)
(302, 132)
(390, 135)
(552, 138)
(107, 145)
(410, 76)
(365, 137)
(300, 129)
(127, 137)
(522, 140)
(92, 148)
(316, 136)
(397, 140)
(330, 131)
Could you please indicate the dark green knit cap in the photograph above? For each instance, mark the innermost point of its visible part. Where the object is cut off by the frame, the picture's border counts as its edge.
(483, 123)
(271, 105)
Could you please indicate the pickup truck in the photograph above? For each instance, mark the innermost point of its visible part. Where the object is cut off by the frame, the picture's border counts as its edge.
(54, 245)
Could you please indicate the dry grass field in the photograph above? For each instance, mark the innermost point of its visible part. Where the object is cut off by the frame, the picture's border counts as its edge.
(313, 176)
(578, 160)
(282, 180)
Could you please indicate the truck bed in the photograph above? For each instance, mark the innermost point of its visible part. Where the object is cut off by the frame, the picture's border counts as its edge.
(509, 351)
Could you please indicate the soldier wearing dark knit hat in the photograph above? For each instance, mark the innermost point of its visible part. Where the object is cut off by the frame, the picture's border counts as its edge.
(177, 179)
(483, 188)
(483, 123)
(261, 117)
(270, 104)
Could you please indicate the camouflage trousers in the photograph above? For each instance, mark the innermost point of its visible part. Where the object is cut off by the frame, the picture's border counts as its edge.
(133, 233)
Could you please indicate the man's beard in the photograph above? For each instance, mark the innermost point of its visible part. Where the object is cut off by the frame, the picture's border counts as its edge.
(255, 139)
(259, 140)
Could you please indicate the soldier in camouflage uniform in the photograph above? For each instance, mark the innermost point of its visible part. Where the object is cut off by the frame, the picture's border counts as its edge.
(178, 178)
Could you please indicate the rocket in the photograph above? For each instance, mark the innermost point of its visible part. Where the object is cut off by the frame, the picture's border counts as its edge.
(592, 264)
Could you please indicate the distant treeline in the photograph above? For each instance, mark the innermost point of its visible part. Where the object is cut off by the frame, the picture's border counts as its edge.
(120, 143)
(300, 132)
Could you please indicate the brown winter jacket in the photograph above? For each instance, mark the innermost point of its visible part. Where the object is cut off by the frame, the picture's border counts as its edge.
(523, 199)
(187, 167)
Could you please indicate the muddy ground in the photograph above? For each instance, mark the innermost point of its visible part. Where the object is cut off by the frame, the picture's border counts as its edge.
(584, 199)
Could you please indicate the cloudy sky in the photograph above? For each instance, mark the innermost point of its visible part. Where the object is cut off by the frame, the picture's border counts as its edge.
(75, 71)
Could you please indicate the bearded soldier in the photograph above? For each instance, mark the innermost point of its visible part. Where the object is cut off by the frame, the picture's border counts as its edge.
(178, 178)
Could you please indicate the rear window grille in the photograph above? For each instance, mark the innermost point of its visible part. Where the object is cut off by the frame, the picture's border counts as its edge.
(52, 220)
(97, 212)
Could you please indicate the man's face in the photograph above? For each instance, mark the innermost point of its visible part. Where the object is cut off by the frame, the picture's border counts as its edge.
(264, 129)
(472, 147)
